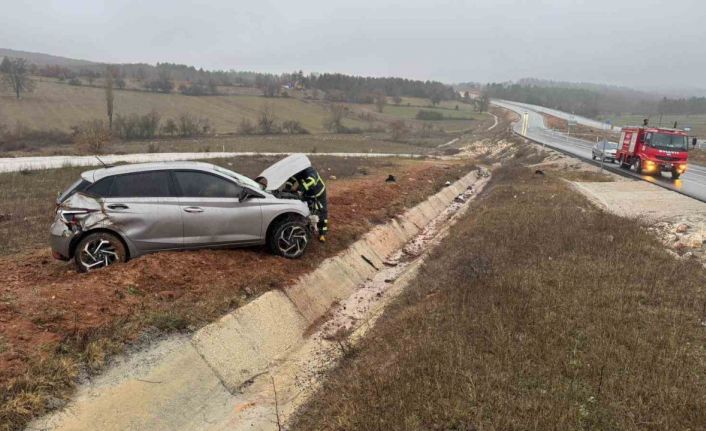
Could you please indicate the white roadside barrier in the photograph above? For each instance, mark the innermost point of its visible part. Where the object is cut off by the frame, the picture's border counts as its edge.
(16, 164)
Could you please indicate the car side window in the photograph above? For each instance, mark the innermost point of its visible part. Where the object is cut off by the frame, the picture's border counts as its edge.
(101, 188)
(153, 184)
(195, 184)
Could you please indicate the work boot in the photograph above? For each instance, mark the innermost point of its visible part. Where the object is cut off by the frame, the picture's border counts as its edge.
(322, 238)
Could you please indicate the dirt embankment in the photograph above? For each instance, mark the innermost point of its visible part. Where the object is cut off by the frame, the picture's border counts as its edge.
(579, 130)
(55, 323)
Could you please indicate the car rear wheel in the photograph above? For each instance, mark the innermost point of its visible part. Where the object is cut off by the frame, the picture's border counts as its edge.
(289, 238)
(637, 165)
(622, 164)
(98, 250)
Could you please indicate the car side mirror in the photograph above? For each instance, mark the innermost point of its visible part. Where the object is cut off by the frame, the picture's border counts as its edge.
(246, 194)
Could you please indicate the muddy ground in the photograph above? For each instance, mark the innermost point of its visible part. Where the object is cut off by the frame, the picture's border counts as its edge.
(56, 325)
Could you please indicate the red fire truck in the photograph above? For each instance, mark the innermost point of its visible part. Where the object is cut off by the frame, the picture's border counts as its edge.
(653, 150)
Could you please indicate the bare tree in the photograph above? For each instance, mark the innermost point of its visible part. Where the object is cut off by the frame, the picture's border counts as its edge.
(380, 99)
(170, 127)
(109, 96)
(435, 98)
(398, 130)
(266, 120)
(91, 136)
(246, 127)
(15, 75)
(483, 103)
(334, 122)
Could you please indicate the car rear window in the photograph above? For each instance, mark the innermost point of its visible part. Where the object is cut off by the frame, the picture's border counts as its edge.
(78, 186)
(153, 184)
(101, 188)
(195, 184)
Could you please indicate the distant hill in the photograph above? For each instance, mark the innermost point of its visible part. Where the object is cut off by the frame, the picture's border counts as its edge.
(46, 59)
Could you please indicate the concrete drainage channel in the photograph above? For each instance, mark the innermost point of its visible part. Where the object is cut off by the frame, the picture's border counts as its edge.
(227, 374)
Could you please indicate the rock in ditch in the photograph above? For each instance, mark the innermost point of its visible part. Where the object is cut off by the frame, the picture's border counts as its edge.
(694, 240)
(682, 228)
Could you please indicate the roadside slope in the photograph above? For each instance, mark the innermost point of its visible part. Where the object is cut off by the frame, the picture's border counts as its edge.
(526, 320)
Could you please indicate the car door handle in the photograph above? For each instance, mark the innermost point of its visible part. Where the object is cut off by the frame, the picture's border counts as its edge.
(193, 209)
(118, 206)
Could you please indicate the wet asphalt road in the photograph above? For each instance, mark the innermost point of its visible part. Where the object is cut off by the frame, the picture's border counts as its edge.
(692, 183)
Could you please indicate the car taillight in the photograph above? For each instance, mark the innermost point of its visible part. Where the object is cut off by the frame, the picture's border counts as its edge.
(71, 216)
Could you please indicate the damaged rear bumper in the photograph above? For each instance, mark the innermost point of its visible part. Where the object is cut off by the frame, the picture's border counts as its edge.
(60, 239)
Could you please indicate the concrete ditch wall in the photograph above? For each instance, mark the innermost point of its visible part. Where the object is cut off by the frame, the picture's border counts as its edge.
(179, 382)
(242, 344)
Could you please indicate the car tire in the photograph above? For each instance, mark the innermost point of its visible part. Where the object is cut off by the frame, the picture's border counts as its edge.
(675, 174)
(289, 237)
(637, 165)
(98, 250)
(593, 157)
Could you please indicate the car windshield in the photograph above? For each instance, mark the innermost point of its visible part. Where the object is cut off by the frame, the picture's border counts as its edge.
(608, 145)
(665, 141)
(242, 179)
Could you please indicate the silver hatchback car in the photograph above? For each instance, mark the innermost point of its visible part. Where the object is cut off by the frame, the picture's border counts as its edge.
(117, 213)
(604, 150)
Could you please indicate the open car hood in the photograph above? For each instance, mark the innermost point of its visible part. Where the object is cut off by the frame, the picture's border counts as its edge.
(278, 174)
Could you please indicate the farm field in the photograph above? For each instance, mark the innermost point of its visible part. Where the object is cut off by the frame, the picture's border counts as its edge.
(321, 143)
(61, 106)
(378, 142)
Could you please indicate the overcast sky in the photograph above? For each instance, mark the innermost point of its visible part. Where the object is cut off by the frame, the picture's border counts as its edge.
(632, 42)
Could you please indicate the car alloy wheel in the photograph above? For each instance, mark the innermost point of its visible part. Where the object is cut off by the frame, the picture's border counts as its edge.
(292, 240)
(98, 253)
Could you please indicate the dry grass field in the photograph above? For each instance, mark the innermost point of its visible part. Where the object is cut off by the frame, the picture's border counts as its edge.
(524, 321)
(59, 105)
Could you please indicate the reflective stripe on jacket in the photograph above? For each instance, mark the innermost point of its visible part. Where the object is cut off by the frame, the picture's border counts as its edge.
(310, 183)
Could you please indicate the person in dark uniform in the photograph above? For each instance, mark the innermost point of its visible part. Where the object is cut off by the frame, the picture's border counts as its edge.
(313, 189)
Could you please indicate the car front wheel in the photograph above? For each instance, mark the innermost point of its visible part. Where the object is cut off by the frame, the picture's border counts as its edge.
(289, 238)
(98, 250)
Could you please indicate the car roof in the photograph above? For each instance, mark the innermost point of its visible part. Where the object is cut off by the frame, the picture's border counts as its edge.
(97, 174)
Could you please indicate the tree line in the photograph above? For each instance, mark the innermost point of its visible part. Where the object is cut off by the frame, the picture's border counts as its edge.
(163, 78)
(684, 106)
(593, 100)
